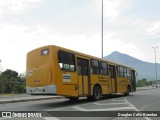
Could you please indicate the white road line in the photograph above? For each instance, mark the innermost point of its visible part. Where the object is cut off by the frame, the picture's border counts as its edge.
(51, 118)
(106, 109)
(57, 109)
(79, 108)
(96, 103)
(147, 118)
(117, 100)
(5, 118)
(131, 104)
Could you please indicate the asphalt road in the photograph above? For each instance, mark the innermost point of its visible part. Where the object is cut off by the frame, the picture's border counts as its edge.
(144, 100)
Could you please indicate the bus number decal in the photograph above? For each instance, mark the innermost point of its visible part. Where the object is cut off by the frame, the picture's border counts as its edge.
(66, 77)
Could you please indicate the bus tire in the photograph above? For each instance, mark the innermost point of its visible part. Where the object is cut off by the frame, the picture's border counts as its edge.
(73, 98)
(90, 98)
(127, 91)
(97, 93)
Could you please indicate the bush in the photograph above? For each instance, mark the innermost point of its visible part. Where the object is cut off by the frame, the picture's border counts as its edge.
(19, 88)
(143, 83)
(10, 82)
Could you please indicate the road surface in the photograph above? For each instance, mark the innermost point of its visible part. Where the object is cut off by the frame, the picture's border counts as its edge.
(144, 100)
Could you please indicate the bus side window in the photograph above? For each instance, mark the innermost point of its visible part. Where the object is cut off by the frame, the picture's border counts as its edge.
(122, 71)
(66, 61)
(95, 67)
(125, 72)
(128, 73)
(103, 68)
(118, 71)
(132, 74)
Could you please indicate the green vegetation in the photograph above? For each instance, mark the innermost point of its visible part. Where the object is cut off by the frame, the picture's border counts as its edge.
(11, 82)
(144, 82)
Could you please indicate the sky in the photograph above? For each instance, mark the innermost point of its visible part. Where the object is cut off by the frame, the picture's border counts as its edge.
(130, 26)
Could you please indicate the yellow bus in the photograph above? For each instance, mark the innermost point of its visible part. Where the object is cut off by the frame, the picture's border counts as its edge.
(53, 70)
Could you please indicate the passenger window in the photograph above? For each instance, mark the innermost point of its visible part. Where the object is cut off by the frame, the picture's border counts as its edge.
(125, 72)
(118, 71)
(95, 67)
(128, 73)
(104, 68)
(121, 72)
(66, 61)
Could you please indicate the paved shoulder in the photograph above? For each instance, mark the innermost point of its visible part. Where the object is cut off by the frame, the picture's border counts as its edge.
(24, 98)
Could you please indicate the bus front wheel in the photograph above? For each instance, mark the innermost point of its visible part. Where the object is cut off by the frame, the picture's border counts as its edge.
(127, 91)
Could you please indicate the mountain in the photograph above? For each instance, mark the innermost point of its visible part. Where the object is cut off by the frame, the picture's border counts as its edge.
(144, 69)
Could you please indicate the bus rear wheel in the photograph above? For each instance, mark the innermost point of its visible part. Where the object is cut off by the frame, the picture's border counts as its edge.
(97, 93)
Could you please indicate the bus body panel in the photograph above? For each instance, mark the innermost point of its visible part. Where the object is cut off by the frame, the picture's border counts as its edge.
(122, 84)
(65, 81)
(45, 75)
(38, 72)
(105, 83)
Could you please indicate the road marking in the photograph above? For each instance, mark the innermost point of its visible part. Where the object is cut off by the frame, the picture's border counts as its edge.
(106, 109)
(79, 108)
(5, 118)
(118, 100)
(147, 118)
(131, 104)
(51, 118)
(58, 109)
(96, 103)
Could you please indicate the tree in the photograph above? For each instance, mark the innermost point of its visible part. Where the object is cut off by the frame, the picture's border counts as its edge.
(11, 78)
(10, 74)
(11, 82)
(143, 82)
(3, 82)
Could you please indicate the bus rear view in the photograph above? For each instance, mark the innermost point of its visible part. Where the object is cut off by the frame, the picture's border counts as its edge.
(38, 72)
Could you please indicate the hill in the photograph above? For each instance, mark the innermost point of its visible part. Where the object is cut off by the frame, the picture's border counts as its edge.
(144, 69)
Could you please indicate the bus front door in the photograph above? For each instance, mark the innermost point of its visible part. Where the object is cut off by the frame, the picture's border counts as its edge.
(83, 76)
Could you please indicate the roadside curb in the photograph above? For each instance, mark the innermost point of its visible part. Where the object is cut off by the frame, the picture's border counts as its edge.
(29, 99)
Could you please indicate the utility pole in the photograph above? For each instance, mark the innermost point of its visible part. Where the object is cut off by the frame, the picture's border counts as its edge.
(155, 63)
(102, 29)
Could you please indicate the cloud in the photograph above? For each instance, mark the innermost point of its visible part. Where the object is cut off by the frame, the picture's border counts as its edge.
(154, 28)
(11, 7)
(17, 40)
(111, 8)
(78, 29)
